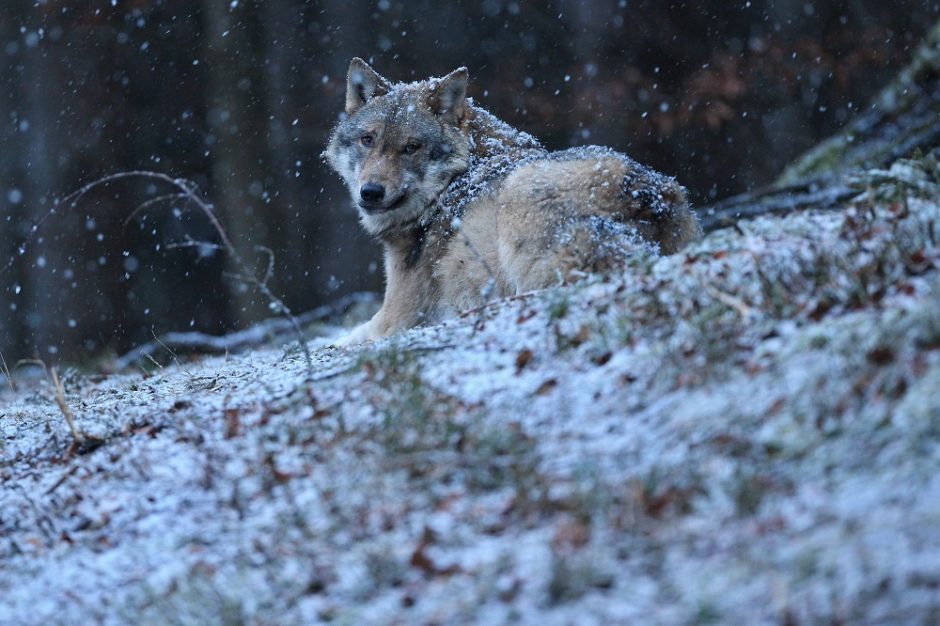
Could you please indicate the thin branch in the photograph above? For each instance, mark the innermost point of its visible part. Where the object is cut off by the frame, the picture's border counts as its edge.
(269, 272)
(189, 191)
(153, 201)
(37, 362)
(6, 370)
(72, 200)
(193, 243)
(513, 298)
(818, 195)
(196, 342)
(490, 284)
(745, 310)
(65, 476)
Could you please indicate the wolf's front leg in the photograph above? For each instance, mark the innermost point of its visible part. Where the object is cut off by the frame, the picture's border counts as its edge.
(367, 331)
(396, 314)
(386, 321)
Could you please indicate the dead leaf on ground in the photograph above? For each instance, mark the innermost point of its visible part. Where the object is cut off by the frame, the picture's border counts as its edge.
(523, 359)
(547, 386)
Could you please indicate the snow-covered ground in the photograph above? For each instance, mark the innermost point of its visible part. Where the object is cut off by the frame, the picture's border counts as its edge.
(744, 433)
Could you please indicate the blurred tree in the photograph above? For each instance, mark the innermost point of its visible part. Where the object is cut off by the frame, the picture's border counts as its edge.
(237, 137)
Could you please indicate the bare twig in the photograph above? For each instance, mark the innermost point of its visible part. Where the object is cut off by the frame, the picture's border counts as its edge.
(65, 476)
(745, 310)
(195, 342)
(153, 201)
(269, 272)
(514, 298)
(77, 435)
(189, 191)
(6, 371)
(43, 521)
(490, 287)
(72, 200)
(193, 243)
(38, 362)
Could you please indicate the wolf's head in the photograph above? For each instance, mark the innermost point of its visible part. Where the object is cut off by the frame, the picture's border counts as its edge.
(400, 145)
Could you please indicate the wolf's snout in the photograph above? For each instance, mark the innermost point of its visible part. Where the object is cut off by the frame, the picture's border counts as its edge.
(372, 192)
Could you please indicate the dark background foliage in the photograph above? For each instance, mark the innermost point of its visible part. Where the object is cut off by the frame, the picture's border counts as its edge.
(240, 97)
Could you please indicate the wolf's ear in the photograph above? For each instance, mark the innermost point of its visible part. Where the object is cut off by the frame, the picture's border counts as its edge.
(362, 84)
(449, 95)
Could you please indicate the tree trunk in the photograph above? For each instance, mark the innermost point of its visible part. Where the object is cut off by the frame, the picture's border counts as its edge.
(236, 123)
(37, 285)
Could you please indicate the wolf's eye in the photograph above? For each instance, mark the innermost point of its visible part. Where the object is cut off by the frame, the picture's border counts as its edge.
(366, 140)
(411, 148)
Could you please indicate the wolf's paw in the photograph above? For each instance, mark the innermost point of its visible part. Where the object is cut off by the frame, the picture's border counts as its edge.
(356, 336)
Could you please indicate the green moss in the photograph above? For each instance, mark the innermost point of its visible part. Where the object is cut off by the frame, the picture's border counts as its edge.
(824, 159)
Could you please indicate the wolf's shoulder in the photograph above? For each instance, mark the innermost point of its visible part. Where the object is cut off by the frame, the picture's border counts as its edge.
(496, 149)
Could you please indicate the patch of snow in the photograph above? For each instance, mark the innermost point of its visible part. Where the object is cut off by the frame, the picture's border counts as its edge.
(745, 432)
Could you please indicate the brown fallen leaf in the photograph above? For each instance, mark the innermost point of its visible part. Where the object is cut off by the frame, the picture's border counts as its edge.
(421, 560)
(547, 386)
(233, 423)
(570, 535)
(523, 359)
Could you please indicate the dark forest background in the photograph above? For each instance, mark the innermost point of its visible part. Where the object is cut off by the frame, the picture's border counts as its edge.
(240, 97)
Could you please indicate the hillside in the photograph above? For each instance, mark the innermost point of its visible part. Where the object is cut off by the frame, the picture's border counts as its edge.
(746, 432)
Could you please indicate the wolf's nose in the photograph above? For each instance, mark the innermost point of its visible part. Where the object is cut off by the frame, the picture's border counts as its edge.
(371, 192)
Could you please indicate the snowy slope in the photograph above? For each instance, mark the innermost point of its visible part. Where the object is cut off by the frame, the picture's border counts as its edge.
(744, 433)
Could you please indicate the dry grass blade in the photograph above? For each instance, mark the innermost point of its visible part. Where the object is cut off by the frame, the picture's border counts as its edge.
(77, 435)
(176, 358)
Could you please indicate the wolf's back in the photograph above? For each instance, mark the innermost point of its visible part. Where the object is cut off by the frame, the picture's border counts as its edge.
(497, 150)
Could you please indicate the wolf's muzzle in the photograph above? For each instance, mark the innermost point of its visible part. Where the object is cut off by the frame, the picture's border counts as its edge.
(372, 193)
(383, 207)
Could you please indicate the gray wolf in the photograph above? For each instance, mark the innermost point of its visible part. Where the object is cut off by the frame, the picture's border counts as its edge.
(468, 208)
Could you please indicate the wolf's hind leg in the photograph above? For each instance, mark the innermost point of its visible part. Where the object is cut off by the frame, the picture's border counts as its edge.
(578, 246)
